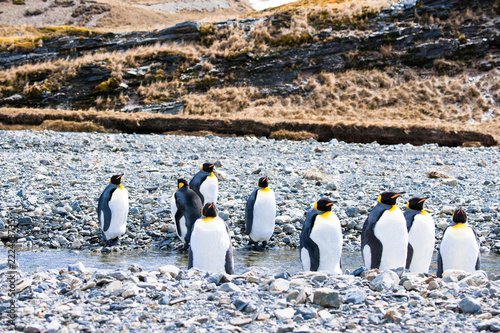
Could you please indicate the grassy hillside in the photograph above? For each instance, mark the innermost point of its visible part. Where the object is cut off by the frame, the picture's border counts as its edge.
(365, 63)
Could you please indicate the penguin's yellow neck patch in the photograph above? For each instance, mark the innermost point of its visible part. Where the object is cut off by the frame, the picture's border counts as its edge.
(211, 175)
(393, 208)
(120, 187)
(424, 212)
(208, 219)
(459, 226)
(265, 189)
(326, 214)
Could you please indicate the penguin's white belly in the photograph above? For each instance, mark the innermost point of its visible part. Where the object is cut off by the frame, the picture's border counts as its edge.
(327, 234)
(210, 189)
(421, 238)
(118, 206)
(209, 244)
(182, 222)
(459, 249)
(392, 233)
(264, 215)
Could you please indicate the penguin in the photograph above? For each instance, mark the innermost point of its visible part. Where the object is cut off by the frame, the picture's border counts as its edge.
(185, 206)
(321, 239)
(112, 211)
(384, 237)
(421, 236)
(260, 214)
(459, 246)
(205, 184)
(210, 248)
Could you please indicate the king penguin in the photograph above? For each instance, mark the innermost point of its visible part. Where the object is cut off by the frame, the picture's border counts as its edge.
(384, 237)
(112, 210)
(421, 236)
(260, 214)
(205, 184)
(210, 248)
(185, 207)
(459, 246)
(321, 239)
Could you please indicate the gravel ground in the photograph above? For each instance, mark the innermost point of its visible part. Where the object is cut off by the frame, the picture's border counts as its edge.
(52, 182)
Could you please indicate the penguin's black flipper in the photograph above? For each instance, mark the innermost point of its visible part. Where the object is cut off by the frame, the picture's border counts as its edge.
(181, 208)
(368, 235)
(249, 211)
(103, 206)
(368, 239)
(193, 213)
(229, 265)
(409, 256)
(439, 272)
(478, 261)
(190, 258)
(307, 242)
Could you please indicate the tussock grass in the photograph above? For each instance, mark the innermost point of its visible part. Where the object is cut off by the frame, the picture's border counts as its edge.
(283, 134)
(72, 126)
(356, 95)
(437, 174)
(313, 174)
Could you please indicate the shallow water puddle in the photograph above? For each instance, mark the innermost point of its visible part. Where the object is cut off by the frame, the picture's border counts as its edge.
(276, 261)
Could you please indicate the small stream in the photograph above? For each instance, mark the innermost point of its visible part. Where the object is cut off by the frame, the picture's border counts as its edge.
(275, 260)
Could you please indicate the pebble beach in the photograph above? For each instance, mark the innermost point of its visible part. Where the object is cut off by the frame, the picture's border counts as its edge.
(51, 183)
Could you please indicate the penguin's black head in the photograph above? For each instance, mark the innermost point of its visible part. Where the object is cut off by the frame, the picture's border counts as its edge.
(263, 182)
(389, 198)
(116, 179)
(208, 167)
(324, 204)
(181, 183)
(209, 210)
(416, 203)
(459, 216)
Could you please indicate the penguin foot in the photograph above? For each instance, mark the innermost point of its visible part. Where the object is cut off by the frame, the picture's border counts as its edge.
(113, 242)
(103, 241)
(260, 248)
(182, 248)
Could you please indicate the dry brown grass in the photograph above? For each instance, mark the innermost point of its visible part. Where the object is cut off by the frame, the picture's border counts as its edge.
(357, 95)
(293, 135)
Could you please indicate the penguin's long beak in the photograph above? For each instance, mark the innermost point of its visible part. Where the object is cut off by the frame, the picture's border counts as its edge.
(423, 199)
(397, 195)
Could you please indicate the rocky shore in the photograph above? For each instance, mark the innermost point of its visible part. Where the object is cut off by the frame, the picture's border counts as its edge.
(80, 299)
(52, 182)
